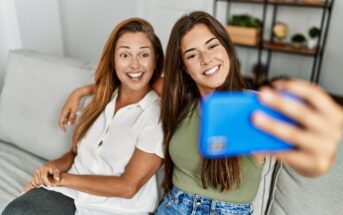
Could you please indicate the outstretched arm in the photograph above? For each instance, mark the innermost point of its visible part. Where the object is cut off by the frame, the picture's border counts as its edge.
(68, 113)
(320, 131)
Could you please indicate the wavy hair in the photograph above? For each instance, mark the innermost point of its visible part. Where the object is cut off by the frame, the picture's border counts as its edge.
(106, 80)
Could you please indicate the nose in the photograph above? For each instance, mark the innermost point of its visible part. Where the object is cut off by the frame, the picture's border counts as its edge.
(205, 58)
(134, 63)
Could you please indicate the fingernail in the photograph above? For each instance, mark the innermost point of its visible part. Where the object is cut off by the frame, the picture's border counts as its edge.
(259, 118)
(57, 178)
(69, 123)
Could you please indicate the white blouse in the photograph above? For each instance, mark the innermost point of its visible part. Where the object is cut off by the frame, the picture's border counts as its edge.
(107, 148)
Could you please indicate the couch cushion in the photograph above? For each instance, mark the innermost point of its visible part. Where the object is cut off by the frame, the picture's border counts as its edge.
(16, 167)
(262, 196)
(294, 194)
(35, 88)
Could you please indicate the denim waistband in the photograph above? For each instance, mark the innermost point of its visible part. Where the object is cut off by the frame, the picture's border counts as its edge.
(192, 199)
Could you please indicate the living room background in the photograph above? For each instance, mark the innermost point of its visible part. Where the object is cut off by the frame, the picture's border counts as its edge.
(78, 28)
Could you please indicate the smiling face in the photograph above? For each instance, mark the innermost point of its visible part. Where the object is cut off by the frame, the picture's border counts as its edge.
(205, 58)
(134, 61)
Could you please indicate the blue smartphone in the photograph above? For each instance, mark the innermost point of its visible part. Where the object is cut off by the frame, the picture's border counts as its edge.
(226, 128)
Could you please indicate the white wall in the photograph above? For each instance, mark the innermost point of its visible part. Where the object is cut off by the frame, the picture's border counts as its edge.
(88, 23)
(9, 33)
(30, 24)
(79, 29)
(332, 69)
(164, 13)
(40, 25)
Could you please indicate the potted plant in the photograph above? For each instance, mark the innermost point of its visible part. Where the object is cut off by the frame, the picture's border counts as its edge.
(244, 29)
(298, 40)
(313, 33)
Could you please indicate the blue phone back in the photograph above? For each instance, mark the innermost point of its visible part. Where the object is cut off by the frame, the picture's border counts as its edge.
(226, 128)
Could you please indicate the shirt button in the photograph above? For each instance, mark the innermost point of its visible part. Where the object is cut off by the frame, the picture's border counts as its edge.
(100, 143)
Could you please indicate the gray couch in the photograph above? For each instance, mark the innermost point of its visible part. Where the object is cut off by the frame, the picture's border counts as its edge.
(36, 86)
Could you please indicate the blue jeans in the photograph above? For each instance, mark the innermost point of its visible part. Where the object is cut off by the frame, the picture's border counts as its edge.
(179, 202)
(40, 201)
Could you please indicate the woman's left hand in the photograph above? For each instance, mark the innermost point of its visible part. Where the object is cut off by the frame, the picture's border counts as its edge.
(31, 185)
(320, 131)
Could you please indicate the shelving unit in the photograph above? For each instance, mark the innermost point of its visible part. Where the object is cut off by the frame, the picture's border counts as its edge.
(317, 54)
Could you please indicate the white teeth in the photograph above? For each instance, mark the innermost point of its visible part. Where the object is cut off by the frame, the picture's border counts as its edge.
(135, 74)
(211, 71)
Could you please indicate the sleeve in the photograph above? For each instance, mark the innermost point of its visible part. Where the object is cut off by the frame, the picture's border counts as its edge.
(151, 140)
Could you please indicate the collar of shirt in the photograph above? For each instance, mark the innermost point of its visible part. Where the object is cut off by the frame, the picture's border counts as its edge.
(144, 103)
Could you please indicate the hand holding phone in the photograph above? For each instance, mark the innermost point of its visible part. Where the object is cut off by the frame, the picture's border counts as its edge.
(226, 128)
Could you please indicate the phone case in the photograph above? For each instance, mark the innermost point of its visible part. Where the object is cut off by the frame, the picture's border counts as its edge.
(226, 128)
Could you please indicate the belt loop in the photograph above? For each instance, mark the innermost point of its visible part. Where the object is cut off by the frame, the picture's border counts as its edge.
(213, 207)
(177, 195)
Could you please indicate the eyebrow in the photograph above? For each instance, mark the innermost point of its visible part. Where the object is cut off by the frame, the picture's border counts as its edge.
(125, 47)
(208, 41)
(142, 47)
(145, 47)
(192, 49)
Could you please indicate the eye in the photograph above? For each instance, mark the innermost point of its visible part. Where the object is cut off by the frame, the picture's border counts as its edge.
(145, 55)
(213, 46)
(123, 55)
(191, 55)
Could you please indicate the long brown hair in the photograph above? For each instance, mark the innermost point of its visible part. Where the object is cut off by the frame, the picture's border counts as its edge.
(106, 80)
(181, 96)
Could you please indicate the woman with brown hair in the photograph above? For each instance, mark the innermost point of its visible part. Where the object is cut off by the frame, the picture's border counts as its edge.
(117, 143)
(200, 60)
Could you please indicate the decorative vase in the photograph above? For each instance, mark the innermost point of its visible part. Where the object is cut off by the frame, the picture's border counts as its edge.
(312, 43)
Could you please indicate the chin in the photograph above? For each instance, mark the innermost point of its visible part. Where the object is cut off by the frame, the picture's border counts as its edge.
(217, 84)
(138, 88)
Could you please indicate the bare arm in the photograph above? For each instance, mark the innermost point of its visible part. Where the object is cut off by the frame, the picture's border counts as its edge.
(65, 162)
(140, 169)
(51, 171)
(68, 113)
(321, 121)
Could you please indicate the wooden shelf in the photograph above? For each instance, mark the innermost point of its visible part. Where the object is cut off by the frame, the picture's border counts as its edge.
(283, 2)
(247, 46)
(286, 48)
(297, 3)
(267, 46)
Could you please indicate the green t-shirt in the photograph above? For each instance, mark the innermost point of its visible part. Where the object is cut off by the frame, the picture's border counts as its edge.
(183, 149)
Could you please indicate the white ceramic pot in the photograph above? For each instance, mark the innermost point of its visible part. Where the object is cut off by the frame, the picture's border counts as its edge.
(312, 43)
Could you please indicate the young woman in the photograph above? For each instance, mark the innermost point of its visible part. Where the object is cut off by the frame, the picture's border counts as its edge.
(117, 144)
(200, 60)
